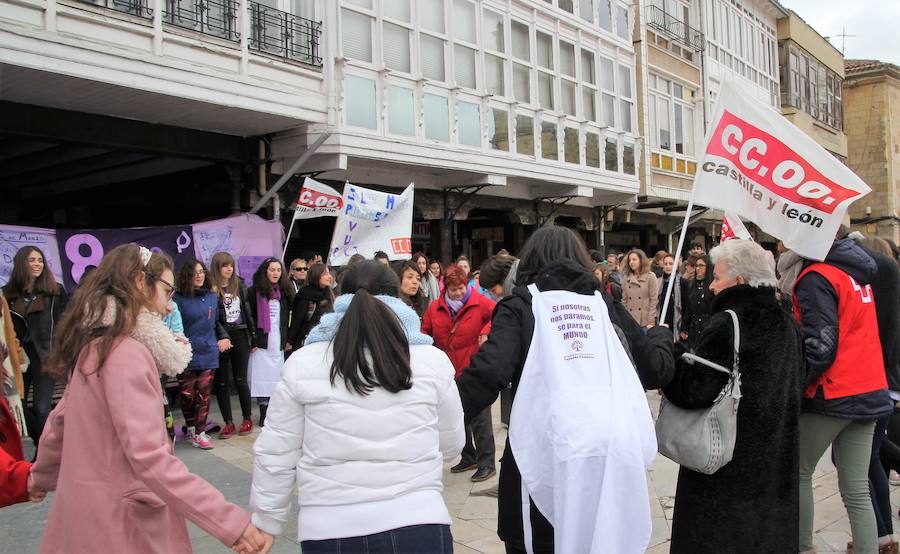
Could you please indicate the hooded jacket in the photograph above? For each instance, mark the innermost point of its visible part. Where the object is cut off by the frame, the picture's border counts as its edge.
(500, 360)
(817, 304)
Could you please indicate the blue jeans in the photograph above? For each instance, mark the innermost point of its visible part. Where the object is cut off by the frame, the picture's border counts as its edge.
(420, 539)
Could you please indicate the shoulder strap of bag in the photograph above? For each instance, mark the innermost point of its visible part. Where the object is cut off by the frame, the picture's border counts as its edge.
(737, 341)
(737, 348)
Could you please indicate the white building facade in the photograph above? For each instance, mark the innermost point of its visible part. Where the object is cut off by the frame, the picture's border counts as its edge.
(688, 49)
(530, 100)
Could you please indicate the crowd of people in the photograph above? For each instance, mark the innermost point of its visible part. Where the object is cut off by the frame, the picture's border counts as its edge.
(369, 377)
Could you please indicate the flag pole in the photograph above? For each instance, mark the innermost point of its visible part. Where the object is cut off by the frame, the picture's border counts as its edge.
(287, 239)
(677, 267)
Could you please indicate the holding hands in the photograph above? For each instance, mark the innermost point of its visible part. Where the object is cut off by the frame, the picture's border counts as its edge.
(34, 494)
(253, 541)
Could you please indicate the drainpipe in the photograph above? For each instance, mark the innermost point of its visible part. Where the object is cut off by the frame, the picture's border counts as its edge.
(704, 77)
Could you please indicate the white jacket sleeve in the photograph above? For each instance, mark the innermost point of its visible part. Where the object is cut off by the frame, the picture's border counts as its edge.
(277, 452)
(450, 417)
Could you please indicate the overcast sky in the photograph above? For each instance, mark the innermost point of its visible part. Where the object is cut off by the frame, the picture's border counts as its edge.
(876, 24)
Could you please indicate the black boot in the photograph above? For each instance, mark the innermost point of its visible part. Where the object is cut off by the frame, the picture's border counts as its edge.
(262, 414)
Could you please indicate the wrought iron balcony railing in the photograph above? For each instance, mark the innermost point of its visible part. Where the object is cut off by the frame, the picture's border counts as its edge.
(140, 8)
(217, 18)
(283, 34)
(271, 31)
(675, 29)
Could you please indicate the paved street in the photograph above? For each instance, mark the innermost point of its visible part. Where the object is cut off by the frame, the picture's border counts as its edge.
(228, 467)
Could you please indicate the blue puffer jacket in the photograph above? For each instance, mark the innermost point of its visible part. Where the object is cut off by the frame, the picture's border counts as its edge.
(200, 317)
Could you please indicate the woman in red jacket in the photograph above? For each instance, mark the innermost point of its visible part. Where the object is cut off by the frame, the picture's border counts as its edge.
(455, 321)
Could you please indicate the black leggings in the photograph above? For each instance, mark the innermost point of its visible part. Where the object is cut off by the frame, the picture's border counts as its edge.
(237, 359)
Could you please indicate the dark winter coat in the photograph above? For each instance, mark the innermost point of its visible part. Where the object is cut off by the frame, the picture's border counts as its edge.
(310, 304)
(697, 306)
(751, 504)
(247, 320)
(260, 339)
(819, 315)
(500, 361)
(458, 336)
(674, 311)
(886, 289)
(42, 314)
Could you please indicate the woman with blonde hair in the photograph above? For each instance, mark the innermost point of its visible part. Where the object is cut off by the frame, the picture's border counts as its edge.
(640, 291)
(119, 486)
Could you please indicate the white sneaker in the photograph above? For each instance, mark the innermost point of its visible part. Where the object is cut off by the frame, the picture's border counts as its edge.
(201, 441)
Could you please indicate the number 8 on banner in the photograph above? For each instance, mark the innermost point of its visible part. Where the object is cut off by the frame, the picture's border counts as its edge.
(79, 262)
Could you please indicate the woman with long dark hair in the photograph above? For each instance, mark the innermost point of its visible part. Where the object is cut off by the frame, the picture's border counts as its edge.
(360, 424)
(235, 315)
(270, 301)
(119, 486)
(311, 303)
(553, 259)
(199, 308)
(428, 282)
(698, 304)
(411, 291)
(36, 302)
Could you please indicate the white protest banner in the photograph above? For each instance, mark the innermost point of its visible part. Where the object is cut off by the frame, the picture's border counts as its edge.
(760, 166)
(371, 221)
(733, 228)
(317, 200)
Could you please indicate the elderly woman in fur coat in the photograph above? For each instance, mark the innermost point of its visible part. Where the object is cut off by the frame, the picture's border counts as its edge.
(751, 504)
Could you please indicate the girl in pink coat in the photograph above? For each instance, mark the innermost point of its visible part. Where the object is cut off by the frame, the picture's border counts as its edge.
(105, 451)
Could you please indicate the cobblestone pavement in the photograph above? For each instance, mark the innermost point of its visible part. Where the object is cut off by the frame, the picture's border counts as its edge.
(228, 466)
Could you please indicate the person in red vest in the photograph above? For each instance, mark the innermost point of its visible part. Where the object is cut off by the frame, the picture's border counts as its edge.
(847, 388)
(456, 321)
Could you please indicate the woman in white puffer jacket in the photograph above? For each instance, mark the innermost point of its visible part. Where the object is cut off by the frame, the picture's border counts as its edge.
(363, 419)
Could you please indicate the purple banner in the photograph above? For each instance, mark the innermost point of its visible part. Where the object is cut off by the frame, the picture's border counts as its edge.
(80, 249)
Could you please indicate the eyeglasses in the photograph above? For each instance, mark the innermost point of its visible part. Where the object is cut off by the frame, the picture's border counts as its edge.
(299, 269)
(169, 286)
(700, 266)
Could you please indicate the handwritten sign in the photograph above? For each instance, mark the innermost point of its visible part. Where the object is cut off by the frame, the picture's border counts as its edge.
(14, 237)
(371, 221)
